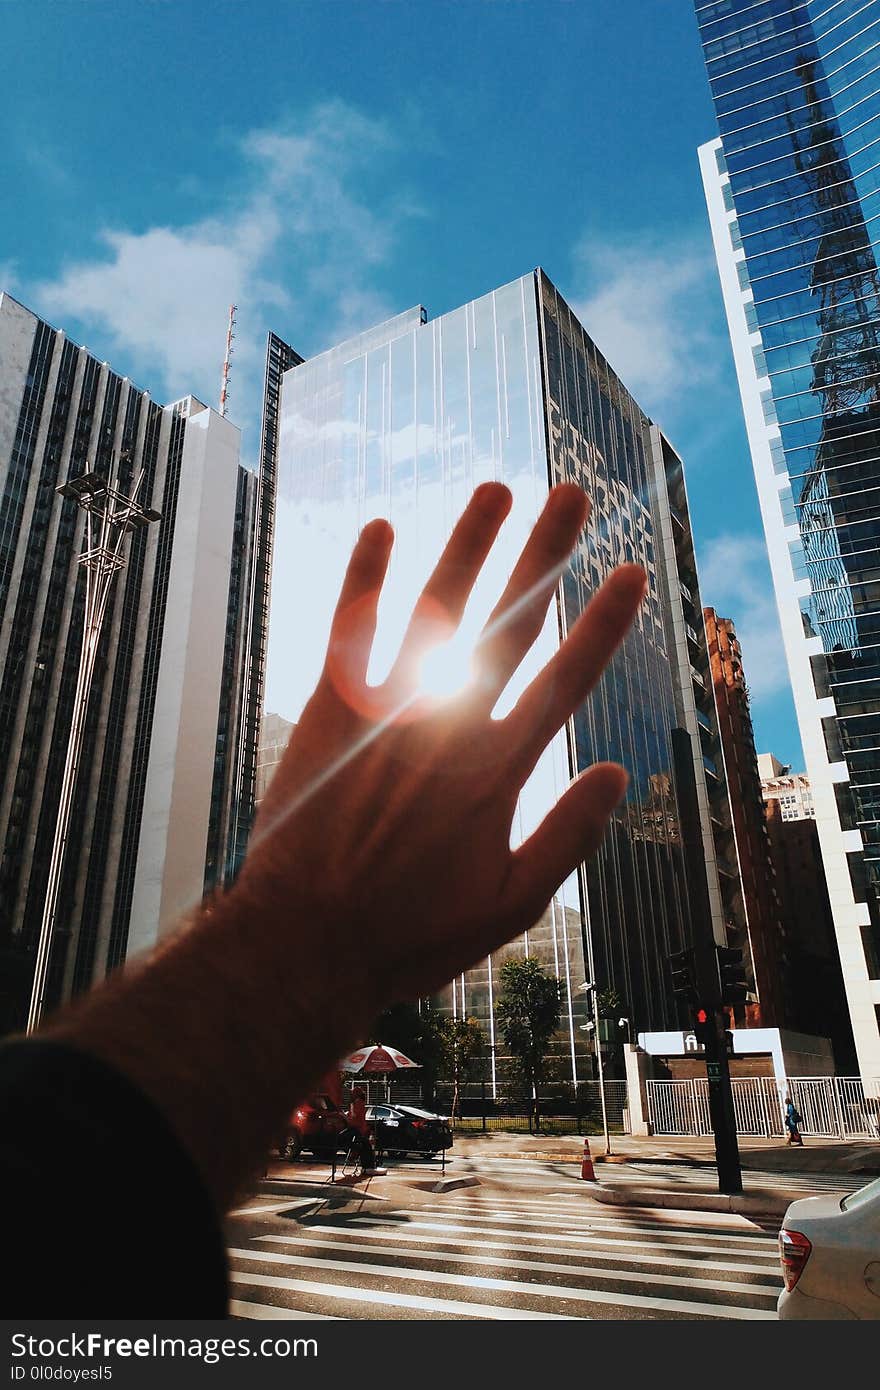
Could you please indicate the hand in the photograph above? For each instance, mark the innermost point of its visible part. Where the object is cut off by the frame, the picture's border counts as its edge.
(385, 833)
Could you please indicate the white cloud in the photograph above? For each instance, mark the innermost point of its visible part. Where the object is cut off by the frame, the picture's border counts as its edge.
(293, 245)
(651, 308)
(735, 581)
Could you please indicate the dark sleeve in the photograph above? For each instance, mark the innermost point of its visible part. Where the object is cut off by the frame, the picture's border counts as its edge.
(102, 1211)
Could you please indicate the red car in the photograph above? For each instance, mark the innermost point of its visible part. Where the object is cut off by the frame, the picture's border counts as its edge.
(315, 1125)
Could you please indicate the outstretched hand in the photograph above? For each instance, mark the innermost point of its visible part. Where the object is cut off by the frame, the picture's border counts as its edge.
(380, 864)
(387, 826)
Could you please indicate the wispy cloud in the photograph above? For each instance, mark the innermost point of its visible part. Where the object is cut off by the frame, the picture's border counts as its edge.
(735, 580)
(650, 305)
(293, 244)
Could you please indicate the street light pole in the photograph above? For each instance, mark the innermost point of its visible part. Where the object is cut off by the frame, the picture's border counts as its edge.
(590, 988)
(110, 516)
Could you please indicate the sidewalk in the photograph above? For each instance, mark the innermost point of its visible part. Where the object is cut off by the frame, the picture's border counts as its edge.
(834, 1157)
(854, 1164)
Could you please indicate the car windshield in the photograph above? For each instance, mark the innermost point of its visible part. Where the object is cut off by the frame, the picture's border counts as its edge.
(864, 1194)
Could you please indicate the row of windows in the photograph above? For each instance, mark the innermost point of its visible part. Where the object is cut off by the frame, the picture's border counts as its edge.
(730, 85)
(795, 114)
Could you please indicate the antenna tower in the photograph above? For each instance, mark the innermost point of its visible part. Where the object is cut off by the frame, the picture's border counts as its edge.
(224, 385)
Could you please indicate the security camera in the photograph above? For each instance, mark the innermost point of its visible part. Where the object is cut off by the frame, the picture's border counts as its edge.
(586, 1027)
(587, 985)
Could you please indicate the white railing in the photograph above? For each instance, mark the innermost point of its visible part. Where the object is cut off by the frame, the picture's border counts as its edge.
(832, 1107)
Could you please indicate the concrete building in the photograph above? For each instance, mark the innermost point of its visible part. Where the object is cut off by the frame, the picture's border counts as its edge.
(159, 766)
(789, 790)
(403, 421)
(763, 944)
(791, 188)
(274, 735)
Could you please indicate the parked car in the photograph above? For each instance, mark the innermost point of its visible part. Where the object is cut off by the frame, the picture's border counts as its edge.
(316, 1126)
(407, 1129)
(830, 1253)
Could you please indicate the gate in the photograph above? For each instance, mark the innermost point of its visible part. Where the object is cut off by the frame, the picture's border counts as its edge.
(832, 1107)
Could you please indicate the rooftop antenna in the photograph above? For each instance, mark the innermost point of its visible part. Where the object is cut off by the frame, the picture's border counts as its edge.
(224, 387)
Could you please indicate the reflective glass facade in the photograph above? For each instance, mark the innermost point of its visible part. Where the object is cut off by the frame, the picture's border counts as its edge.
(796, 86)
(404, 422)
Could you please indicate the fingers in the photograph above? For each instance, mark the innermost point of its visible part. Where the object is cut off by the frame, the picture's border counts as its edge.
(519, 615)
(444, 597)
(569, 677)
(354, 622)
(569, 834)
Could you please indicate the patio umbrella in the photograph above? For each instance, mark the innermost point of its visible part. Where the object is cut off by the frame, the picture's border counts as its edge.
(377, 1060)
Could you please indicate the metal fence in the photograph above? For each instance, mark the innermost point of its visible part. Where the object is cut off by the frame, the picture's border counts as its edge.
(832, 1107)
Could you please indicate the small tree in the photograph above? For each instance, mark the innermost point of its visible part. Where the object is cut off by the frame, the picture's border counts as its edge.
(462, 1041)
(527, 1011)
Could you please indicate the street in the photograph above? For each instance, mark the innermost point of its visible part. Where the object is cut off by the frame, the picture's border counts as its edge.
(529, 1241)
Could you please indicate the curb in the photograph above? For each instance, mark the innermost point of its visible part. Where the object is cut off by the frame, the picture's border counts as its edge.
(739, 1203)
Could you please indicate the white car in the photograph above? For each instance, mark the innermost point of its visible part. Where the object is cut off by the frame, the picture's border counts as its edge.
(830, 1253)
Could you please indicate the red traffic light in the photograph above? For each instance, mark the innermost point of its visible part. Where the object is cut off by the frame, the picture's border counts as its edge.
(702, 1016)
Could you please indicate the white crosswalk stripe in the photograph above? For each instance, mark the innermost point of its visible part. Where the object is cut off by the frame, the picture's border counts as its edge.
(476, 1257)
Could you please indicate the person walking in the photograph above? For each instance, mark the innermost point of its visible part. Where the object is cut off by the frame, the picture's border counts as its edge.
(792, 1120)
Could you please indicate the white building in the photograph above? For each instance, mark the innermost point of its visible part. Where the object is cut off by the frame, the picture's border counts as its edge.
(801, 641)
(159, 773)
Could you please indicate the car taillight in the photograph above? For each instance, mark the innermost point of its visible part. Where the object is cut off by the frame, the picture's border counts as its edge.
(794, 1251)
(418, 1124)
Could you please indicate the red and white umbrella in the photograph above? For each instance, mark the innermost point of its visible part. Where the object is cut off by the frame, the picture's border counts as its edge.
(377, 1060)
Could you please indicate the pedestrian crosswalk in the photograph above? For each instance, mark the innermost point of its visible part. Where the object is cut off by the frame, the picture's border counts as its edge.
(468, 1255)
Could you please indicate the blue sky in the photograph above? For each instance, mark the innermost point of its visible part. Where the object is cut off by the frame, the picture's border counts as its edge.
(326, 164)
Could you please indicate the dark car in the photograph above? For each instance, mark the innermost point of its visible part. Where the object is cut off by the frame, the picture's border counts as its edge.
(316, 1125)
(407, 1129)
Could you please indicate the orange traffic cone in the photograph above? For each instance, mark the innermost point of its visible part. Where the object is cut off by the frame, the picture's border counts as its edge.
(587, 1172)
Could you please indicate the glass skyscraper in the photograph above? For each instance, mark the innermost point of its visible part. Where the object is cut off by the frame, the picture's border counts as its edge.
(403, 422)
(793, 189)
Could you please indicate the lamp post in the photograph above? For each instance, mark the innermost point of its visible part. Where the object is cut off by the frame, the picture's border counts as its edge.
(624, 1023)
(110, 516)
(589, 987)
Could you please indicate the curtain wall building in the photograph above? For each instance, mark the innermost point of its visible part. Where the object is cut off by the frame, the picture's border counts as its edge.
(404, 421)
(159, 784)
(793, 190)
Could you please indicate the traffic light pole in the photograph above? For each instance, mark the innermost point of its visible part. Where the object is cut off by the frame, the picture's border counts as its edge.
(705, 963)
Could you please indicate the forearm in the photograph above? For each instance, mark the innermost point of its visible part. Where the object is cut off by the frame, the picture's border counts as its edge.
(225, 1027)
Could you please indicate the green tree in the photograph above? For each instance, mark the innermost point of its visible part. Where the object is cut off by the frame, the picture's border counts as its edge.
(527, 1011)
(461, 1041)
(417, 1031)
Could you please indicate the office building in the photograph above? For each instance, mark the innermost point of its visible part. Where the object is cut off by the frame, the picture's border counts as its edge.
(791, 790)
(817, 995)
(156, 787)
(274, 735)
(764, 942)
(404, 421)
(792, 188)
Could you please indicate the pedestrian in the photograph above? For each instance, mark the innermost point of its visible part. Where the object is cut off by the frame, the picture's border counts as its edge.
(792, 1120)
(357, 1118)
(188, 1060)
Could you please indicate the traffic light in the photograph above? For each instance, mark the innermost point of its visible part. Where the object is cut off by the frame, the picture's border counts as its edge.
(734, 985)
(681, 964)
(704, 1026)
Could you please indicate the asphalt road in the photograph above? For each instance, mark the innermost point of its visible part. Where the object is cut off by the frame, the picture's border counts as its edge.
(528, 1243)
